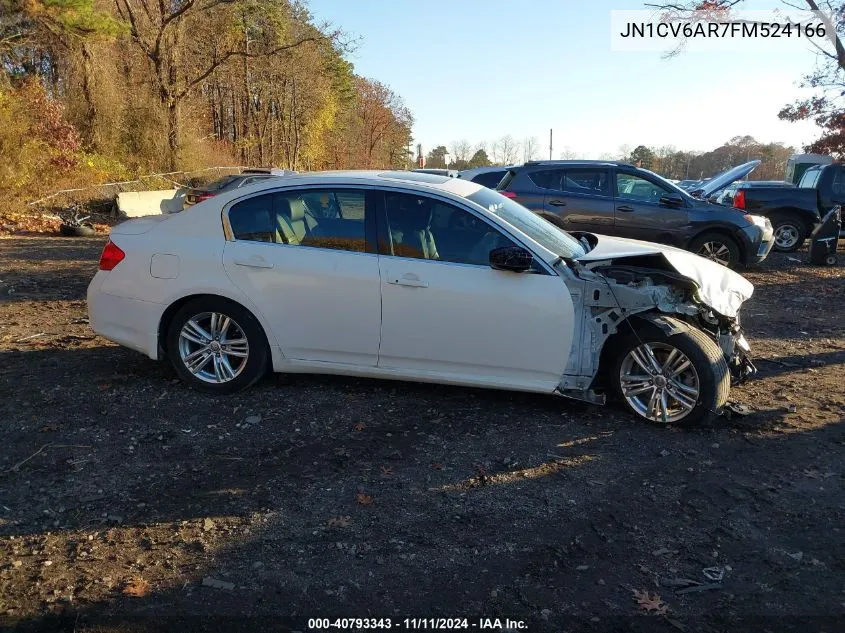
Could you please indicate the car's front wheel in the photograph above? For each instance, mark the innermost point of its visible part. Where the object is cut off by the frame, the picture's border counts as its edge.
(718, 248)
(216, 346)
(682, 378)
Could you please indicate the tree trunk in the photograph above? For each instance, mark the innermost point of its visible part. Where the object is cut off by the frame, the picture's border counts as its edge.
(174, 133)
(89, 126)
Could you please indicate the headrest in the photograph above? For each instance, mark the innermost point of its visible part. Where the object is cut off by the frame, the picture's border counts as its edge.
(282, 207)
(297, 209)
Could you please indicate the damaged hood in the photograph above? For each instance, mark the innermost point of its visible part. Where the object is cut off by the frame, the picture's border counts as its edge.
(719, 287)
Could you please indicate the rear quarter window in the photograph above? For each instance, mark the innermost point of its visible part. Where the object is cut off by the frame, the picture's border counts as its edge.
(253, 220)
(490, 179)
(594, 182)
(544, 177)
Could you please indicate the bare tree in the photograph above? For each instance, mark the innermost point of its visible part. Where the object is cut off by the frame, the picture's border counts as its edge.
(827, 107)
(530, 148)
(158, 30)
(461, 150)
(505, 150)
(568, 153)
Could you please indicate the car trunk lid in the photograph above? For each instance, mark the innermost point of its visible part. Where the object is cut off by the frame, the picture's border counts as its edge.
(138, 226)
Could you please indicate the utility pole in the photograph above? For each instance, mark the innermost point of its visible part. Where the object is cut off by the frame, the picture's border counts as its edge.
(550, 143)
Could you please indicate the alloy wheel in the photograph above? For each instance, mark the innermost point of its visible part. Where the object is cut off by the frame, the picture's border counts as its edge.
(213, 347)
(659, 382)
(716, 251)
(787, 236)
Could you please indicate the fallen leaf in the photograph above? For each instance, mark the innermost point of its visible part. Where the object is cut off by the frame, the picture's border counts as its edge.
(650, 604)
(49, 428)
(137, 588)
(437, 466)
(103, 386)
(364, 499)
(386, 471)
(339, 522)
(359, 427)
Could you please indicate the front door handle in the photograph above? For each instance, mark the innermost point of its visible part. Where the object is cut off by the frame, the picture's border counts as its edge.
(412, 281)
(557, 203)
(256, 261)
(625, 209)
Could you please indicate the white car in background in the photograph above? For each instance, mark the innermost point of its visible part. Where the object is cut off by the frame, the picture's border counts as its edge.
(419, 277)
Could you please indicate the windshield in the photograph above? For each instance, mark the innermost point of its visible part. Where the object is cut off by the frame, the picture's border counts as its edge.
(544, 233)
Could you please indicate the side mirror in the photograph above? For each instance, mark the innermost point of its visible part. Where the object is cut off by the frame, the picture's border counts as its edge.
(672, 200)
(512, 258)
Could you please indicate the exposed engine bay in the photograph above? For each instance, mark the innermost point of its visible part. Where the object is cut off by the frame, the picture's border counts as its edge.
(672, 290)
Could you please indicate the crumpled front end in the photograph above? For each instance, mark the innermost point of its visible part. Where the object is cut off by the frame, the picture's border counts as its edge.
(670, 288)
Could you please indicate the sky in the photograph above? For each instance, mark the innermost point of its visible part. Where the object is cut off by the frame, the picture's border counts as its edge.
(480, 69)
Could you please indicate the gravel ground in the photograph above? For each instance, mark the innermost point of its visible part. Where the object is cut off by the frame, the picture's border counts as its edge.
(130, 503)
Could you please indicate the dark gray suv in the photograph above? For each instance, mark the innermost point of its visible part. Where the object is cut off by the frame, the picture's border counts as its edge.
(618, 199)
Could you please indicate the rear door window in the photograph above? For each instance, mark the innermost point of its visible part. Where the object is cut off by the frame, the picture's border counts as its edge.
(325, 218)
(590, 182)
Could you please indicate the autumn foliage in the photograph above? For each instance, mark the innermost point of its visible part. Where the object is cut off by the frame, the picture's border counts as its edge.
(92, 92)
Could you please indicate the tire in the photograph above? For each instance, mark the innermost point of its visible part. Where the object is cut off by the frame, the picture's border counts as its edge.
(706, 383)
(831, 260)
(718, 248)
(790, 232)
(84, 230)
(238, 372)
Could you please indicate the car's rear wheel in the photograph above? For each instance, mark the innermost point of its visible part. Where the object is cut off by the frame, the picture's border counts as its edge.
(682, 378)
(217, 346)
(790, 233)
(718, 248)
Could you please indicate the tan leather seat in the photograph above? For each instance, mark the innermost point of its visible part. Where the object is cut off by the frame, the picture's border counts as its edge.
(293, 223)
(302, 223)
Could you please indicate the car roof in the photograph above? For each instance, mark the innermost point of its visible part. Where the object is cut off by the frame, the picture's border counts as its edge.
(475, 171)
(575, 163)
(432, 183)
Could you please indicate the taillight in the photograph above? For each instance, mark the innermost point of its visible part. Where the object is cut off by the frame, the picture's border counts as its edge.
(739, 199)
(508, 194)
(204, 196)
(111, 257)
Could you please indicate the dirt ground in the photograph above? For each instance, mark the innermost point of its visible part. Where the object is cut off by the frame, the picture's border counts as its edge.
(130, 503)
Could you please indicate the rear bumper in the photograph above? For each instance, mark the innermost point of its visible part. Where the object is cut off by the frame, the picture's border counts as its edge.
(128, 322)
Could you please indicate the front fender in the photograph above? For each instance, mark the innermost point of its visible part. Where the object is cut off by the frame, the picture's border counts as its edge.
(666, 324)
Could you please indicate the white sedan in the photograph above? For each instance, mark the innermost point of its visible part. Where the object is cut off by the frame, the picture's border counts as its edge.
(419, 277)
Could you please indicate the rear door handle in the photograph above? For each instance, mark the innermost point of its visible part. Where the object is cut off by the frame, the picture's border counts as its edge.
(256, 261)
(410, 281)
(625, 209)
(557, 203)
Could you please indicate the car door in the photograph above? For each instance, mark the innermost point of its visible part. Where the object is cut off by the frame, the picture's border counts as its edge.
(640, 214)
(447, 314)
(583, 198)
(315, 282)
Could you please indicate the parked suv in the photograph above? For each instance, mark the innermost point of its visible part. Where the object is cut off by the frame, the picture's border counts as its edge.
(619, 199)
